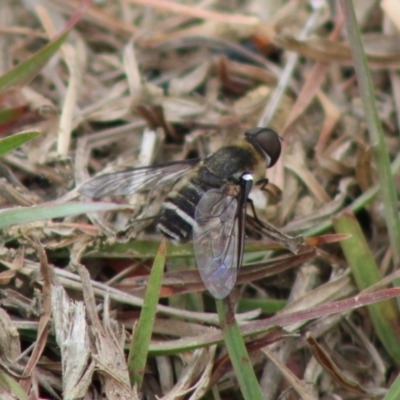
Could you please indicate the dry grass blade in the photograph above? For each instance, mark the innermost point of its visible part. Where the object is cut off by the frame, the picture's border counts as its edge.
(337, 373)
(327, 51)
(43, 329)
(300, 387)
(72, 337)
(10, 348)
(107, 343)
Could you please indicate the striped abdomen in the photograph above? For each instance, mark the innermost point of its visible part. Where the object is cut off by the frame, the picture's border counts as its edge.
(177, 212)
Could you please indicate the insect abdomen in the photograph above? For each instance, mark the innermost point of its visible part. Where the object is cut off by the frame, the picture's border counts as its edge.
(177, 212)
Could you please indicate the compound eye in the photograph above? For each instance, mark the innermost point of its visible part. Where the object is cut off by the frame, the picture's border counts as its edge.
(270, 143)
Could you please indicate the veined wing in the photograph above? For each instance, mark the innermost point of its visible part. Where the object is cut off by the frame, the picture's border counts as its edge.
(218, 241)
(137, 180)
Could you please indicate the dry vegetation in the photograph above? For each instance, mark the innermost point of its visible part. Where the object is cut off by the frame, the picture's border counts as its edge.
(141, 82)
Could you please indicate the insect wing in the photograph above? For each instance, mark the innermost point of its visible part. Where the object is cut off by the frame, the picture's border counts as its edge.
(136, 180)
(216, 239)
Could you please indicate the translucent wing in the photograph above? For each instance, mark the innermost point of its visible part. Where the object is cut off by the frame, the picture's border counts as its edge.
(218, 241)
(136, 180)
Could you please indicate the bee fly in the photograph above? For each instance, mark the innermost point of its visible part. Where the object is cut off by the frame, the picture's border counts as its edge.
(208, 205)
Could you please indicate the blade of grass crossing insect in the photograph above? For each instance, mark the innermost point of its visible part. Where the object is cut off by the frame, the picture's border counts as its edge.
(237, 351)
(384, 315)
(142, 333)
(12, 142)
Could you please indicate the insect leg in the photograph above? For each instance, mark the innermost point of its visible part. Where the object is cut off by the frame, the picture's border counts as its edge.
(292, 243)
(263, 182)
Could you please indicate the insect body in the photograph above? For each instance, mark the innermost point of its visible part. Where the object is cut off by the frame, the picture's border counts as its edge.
(208, 205)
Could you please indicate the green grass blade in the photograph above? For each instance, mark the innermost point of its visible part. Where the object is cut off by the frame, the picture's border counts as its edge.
(366, 273)
(267, 306)
(8, 115)
(394, 390)
(23, 215)
(237, 352)
(11, 386)
(12, 142)
(377, 137)
(142, 334)
(24, 72)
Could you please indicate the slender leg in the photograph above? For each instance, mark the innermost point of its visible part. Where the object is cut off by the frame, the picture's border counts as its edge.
(292, 243)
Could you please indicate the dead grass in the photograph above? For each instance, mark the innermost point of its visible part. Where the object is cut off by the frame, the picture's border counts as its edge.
(142, 82)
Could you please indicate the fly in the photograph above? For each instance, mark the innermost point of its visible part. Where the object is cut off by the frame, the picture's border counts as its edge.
(208, 202)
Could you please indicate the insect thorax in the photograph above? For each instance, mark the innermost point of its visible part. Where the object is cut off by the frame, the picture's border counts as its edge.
(230, 162)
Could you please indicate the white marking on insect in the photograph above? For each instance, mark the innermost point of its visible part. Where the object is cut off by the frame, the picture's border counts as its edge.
(198, 190)
(247, 177)
(161, 227)
(186, 217)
